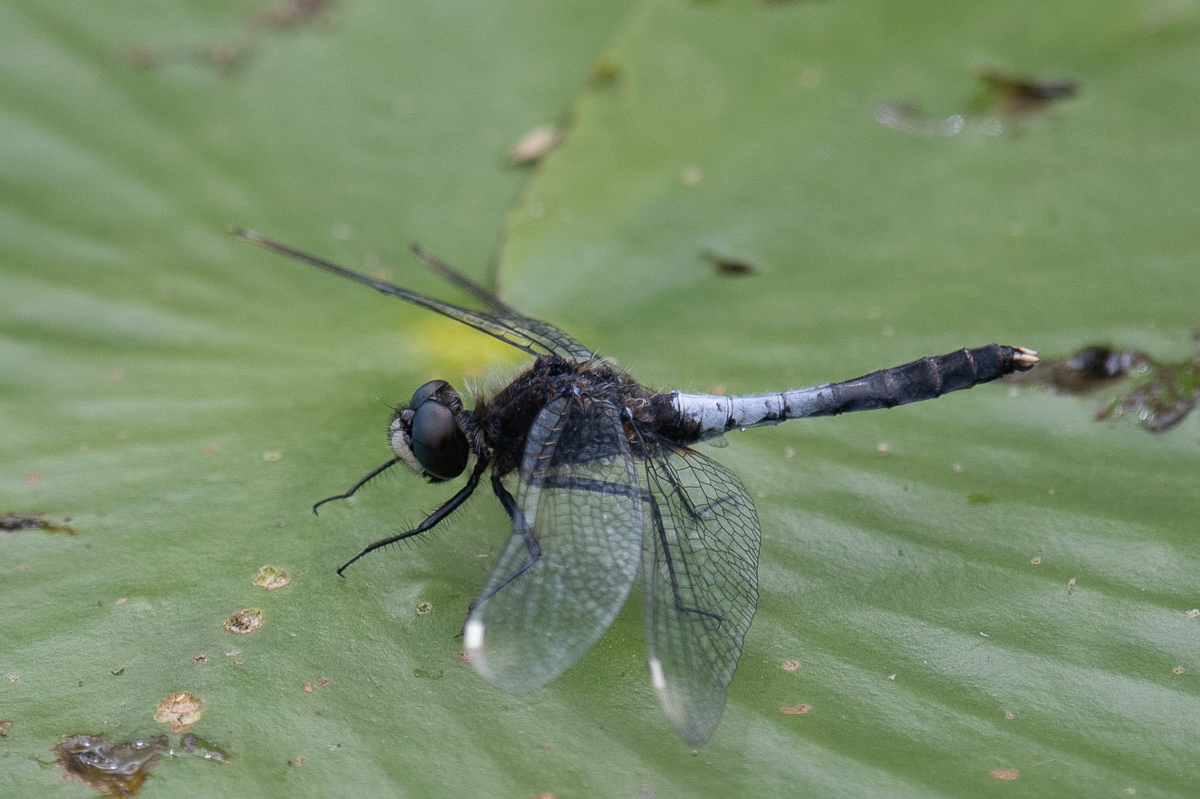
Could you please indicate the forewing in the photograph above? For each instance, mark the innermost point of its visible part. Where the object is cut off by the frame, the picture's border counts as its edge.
(700, 573)
(501, 321)
(570, 563)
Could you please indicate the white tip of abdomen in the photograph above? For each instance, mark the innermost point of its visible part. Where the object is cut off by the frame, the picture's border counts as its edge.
(657, 678)
(473, 634)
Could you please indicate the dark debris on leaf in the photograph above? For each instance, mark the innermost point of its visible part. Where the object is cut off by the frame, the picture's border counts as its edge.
(115, 769)
(1020, 94)
(1163, 397)
(16, 522)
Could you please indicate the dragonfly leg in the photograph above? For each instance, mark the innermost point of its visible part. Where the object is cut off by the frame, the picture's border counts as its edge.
(519, 527)
(370, 476)
(448, 507)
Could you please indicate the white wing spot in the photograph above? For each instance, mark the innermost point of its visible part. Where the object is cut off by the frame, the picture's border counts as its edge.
(657, 678)
(473, 634)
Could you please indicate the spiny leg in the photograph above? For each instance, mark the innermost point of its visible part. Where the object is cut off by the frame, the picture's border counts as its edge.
(448, 507)
(370, 476)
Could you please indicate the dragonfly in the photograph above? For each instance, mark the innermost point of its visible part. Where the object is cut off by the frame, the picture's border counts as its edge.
(599, 478)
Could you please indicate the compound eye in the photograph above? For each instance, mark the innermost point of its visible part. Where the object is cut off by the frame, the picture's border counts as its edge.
(437, 442)
(425, 392)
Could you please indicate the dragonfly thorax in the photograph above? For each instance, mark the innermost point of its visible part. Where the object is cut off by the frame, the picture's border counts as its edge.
(427, 435)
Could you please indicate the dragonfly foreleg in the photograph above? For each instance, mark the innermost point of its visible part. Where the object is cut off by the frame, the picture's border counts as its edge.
(447, 507)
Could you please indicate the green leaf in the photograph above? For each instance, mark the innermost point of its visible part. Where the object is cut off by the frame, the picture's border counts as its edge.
(184, 398)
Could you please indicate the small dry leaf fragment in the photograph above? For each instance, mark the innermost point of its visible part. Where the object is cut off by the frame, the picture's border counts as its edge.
(1006, 774)
(1070, 585)
(1035, 560)
(270, 578)
(201, 658)
(1193, 613)
(730, 265)
(308, 688)
(791, 665)
(795, 710)
(534, 144)
(1177, 670)
(115, 672)
(180, 710)
(244, 621)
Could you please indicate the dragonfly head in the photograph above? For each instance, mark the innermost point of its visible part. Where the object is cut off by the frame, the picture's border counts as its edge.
(427, 435)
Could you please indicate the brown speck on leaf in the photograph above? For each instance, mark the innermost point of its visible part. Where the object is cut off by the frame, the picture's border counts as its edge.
(5, 726)
(288, 14)
(300, 761)
(1006, 774)
(1177, 670)
(30, 479)
(324, 682)
(143, 57)
(211, 449)
(308, 688)
(270, 578)
(1035, 560)
(423, 608)
(882, 446)
(544, 795)
(463, 656)
(795, 710)
(605, 73)
(14, 677)
(244, 621)
(113, 769)
(791, 665)
(180, 710)
(201, 658)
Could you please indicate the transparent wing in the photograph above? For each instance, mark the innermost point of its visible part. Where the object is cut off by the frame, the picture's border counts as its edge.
(501, 321)
(571, 560)
(700, 575)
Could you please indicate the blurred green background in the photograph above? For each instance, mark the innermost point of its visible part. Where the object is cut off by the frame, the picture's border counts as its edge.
(183, 397)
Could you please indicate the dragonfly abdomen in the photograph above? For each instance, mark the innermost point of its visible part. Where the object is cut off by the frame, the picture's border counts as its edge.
(703, 416)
